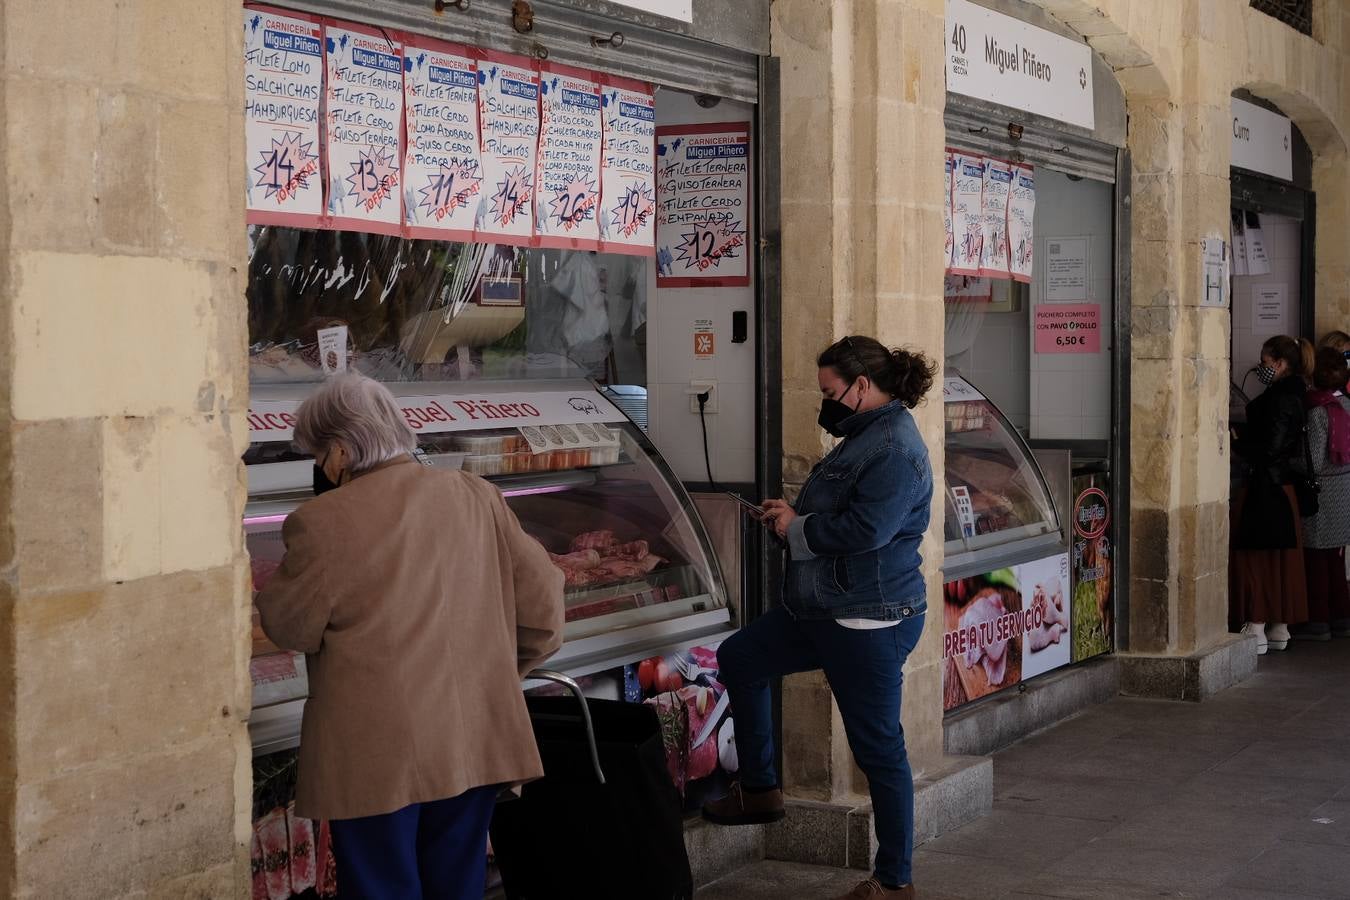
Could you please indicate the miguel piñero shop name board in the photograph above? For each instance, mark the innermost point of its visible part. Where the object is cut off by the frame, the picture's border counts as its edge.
(274, 420)
(999, 59)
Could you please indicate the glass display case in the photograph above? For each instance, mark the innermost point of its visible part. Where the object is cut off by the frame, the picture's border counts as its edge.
(640, 574)
(999, 509)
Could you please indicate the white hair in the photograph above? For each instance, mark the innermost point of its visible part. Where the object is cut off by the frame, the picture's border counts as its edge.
(360, 413)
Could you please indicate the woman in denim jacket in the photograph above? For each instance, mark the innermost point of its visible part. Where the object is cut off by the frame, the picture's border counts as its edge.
(854, 598)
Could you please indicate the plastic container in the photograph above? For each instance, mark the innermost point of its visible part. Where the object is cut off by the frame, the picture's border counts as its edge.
(492, 443)
(490, 464)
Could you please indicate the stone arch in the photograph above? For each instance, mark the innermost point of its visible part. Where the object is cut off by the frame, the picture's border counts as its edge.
(1106, 25)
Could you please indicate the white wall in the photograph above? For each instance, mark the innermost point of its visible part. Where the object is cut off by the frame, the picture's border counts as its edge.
(1055, 396)
(1071, 392)
(670, 346)
(1283, 238)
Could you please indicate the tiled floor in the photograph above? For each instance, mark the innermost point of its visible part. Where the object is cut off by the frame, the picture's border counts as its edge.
(1246, 796)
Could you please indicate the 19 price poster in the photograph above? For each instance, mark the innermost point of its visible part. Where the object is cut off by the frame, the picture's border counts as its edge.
(703, 205)
(283, 87)
(628, 188)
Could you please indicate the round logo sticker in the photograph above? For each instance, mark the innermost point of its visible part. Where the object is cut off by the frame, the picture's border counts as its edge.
(1091, 514)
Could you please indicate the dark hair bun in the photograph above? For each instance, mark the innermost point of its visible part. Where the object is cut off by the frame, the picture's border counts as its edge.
(906, 375)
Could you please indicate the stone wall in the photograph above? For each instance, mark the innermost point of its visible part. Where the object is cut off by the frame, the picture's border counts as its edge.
(862, 124)
(124, 760)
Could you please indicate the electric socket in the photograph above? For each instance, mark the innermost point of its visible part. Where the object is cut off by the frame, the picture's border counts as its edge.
(697, 387)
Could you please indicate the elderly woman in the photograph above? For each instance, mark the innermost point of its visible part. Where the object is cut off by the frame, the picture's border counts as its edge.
(421, 603)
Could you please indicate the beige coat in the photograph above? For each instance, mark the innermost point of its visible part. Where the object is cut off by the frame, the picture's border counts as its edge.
(420, 602)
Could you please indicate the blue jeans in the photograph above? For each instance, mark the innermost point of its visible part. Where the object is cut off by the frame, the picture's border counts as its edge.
(864, 672)
(426, 851)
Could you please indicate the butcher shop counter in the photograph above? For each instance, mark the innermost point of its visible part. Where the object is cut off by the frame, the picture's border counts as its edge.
(1000, 510)
(640, 574)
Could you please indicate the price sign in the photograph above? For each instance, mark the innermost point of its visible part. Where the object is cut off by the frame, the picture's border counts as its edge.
(703, 205)
(283, 88)
(442, 162)
(628, 168)
(1065, 328)
(508, 110)
(364, 116)
(568, 169)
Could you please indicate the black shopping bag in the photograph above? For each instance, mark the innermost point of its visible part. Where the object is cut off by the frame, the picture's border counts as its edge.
(569, 835)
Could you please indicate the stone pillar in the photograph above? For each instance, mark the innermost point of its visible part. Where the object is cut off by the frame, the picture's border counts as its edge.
(862, 102)
(124, 758)
(1179, 465)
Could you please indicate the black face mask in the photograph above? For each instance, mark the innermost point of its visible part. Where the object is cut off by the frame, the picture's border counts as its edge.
(1265, 374)
(833, 412)
(322, 483)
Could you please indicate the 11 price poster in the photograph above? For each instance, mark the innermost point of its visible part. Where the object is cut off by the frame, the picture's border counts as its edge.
(703, 205)
(283, 89)
(442, 162)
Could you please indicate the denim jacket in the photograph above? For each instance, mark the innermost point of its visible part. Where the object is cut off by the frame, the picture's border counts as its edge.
(860, 519)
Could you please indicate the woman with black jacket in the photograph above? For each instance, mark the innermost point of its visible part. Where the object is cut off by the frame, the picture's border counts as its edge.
(1269, 588)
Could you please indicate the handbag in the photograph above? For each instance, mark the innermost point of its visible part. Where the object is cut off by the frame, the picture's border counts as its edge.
(1307, 487)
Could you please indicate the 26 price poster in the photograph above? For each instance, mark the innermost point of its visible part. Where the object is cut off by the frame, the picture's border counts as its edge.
(442, 164)
(365, 125)
(628, 170)
(508, 113)
(567, 195)
(283, 89)
(702, 205)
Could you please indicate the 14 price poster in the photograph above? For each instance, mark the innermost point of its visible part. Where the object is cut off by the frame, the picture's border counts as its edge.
(283, 89)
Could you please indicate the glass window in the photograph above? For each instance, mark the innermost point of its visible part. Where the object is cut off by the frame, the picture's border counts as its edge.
(440, 311)
(993, 485)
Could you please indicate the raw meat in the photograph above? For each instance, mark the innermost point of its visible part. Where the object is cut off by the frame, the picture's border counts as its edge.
(593, 540)
(303, 865)
(986, 607)
(1048, 599)
(618, 569)
(326, 880)
(256, 864)
(633, 550)
(263, 570)
(581, 559)
(699, 704)
(272, 833)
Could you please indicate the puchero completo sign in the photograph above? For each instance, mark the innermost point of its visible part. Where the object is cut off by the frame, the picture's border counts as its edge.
(1003, 60)
(270, 421)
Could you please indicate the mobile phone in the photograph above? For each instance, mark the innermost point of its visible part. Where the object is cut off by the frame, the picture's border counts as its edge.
(757, 511)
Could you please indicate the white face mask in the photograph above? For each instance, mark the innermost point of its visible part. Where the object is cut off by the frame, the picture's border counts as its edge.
(1265, 374)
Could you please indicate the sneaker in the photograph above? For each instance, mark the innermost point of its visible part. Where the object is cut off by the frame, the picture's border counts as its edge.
(1312, 631)
(743, 808)
(1277, 636)
(871, 889)
(1341, 628)
(1259, 630)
